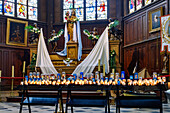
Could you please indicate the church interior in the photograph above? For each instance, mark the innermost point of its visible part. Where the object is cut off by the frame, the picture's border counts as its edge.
(84, 56)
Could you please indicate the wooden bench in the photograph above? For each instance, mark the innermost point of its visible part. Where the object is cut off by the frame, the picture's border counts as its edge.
(87, 100)
(51, 100)
(139, 100)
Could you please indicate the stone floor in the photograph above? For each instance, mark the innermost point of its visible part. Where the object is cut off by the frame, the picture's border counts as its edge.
(14, 108)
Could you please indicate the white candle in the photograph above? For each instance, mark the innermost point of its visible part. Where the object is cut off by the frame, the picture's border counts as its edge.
(113, 71)
(24, 67)
(12, 71)
(0, 75)
(99, 65)
(104, 70)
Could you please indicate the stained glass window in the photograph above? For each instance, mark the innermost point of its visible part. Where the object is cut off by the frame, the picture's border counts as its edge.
(138, 4)
(68, 4)
(90, 3)
(32, 3)
(9, 7)
(90, 9)
(79, 5)
(131, 6)
(90, 13)
(22, 8)
(101, 9)
(0, 6)
(147, 2)
(86, 9)
(32, 9)
(79, 14)
(27, 9)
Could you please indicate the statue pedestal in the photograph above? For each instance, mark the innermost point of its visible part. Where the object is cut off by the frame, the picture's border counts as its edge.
(114, 45)
(33, 49)
(72, 51)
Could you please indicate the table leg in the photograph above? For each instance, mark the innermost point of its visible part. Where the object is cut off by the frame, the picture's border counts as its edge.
(107, 94)
(71, 109)
(105, 109)
(56, 108)
(20, 111)
(29, 107)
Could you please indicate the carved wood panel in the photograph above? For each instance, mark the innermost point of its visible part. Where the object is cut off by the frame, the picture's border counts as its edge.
(1, 33)
(9, 57)
(144, 27)
(135, 31)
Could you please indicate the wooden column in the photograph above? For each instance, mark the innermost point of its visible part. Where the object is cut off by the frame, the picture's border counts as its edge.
(114, 45)
(33, 49)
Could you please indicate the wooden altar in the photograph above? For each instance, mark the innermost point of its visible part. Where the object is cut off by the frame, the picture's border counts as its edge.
(72, 53)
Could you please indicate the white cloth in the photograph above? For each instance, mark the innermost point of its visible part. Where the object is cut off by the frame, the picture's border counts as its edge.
(100, 51)
(74, 33)
(64, 51)
(79, 41)
(43, 58)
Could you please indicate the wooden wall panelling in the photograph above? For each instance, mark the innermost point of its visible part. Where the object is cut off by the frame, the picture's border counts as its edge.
(1, 60)
(1, 33)
(125, 34)
(8, 58)
(144, 27)
(112, 8)
(58, 14)
(142, 57)
(152, 57)
(131, 32)
(139, 29)
(128, 34)
(135, 31)
(6, 64)
(125, 60)
(60, 42)
(146, 43)
(42, 10)
(160, 57)
(128, 60)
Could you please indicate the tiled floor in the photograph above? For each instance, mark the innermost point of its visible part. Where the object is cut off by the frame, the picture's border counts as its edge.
(14, 108)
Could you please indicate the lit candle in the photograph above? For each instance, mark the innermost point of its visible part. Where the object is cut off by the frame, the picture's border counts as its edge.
(24, 67)
(0, 75)
(99, 65)
(12, 71)
(104, 70)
